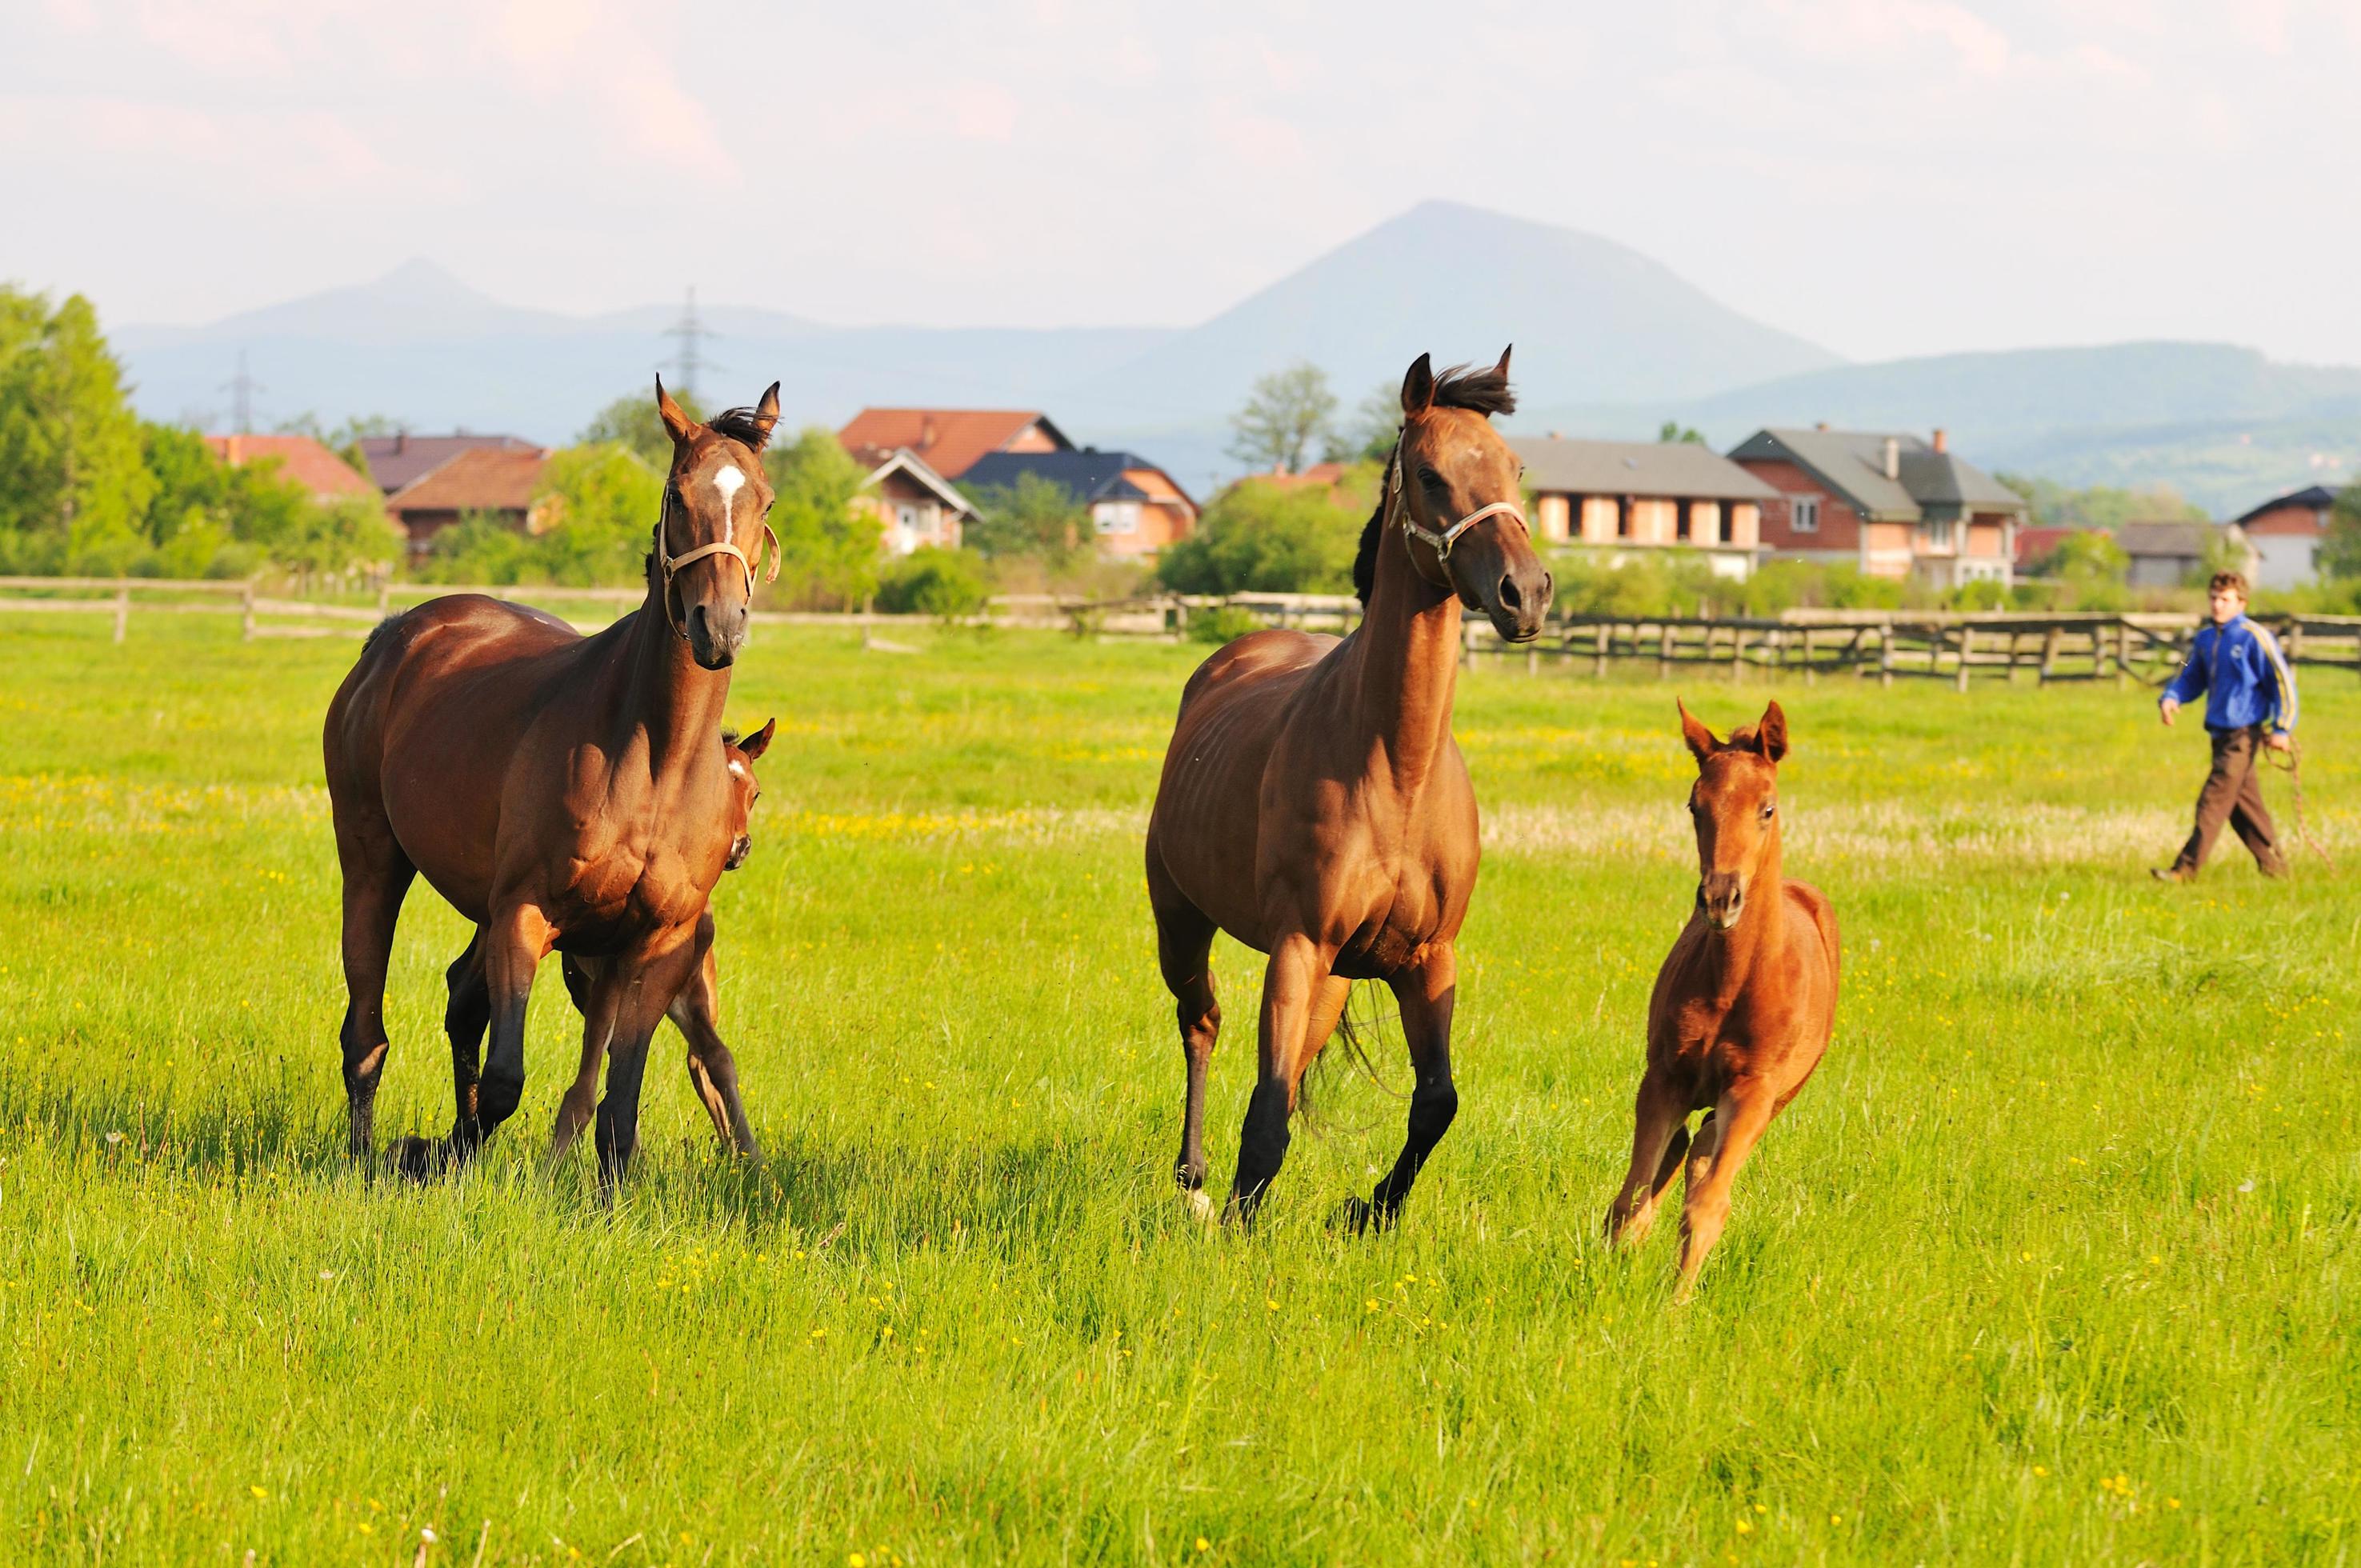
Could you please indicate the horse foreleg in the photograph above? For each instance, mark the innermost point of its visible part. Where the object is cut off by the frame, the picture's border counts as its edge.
(645, 984)
(1721, 1147)
(1660, 1138)
(596, 999)
(465, 1015)
(1297, 971)
(1425, 997)
(514, 941)
(712, 1069)
(376, 875)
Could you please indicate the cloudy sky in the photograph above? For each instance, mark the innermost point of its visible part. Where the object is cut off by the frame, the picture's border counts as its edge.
(1885, 177)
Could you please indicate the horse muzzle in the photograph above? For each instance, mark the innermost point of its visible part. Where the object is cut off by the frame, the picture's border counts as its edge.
(1722, 896)
(740, 848)
(715, 635)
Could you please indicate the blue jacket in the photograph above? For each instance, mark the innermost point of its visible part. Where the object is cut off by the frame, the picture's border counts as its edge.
(2246, 682)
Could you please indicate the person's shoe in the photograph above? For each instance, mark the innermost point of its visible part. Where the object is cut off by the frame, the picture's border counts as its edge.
(2172, 873)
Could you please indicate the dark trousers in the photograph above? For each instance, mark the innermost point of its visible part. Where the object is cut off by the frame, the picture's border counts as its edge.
(2233, 792)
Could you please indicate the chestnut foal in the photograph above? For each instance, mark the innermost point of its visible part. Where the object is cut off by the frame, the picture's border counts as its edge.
(1743, 1006)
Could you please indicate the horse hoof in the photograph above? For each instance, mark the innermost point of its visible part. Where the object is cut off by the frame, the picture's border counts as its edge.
(1352, 1217)
(413, 1158)
(1200, 1207)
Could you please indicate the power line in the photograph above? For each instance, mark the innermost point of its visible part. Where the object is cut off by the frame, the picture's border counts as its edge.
(242, 387)
(693, 333)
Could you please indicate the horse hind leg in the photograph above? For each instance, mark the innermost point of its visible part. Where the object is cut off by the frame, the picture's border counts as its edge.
(1184, 941)
(712, 1069)
(1425, 998)
(465, 1015)
(377, 875)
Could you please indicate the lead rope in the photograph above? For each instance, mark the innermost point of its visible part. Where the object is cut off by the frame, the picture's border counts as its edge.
(2295, 783)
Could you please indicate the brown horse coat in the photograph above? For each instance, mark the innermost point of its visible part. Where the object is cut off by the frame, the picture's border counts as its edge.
(1314, 805)
(560, 791)
(1745, 1000)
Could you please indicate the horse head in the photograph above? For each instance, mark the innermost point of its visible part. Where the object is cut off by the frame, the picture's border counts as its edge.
(710, 531)
(1735, 805)
(744, 790)
(1459, 491)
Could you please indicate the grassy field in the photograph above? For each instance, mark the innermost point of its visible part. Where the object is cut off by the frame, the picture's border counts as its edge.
(2054, 1262)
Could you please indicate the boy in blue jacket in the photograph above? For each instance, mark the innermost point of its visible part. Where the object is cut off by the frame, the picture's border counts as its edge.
(2249, 706)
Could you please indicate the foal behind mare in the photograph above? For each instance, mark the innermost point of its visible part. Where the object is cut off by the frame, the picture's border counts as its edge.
(1743, 1006)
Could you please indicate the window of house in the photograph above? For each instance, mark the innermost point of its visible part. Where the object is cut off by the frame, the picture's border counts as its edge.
(1806, 514)
(1623, 517)
(909, 517)
(1681, 523)
(1117, 517)
(1938, 533)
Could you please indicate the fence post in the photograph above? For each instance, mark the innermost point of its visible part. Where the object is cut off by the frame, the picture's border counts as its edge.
(385, 598)
(1737, 654)
(122, 612)
(1811, 675)
(1602, 634)
(1886, 655)
(2123, 654)
(247, 599)
(1967, 648)
(1532, 659)
(2049, 641)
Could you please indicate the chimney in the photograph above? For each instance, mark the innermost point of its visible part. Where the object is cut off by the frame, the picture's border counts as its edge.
(926, 433)
(1892, 457)
(1942, 441)
(401, 442)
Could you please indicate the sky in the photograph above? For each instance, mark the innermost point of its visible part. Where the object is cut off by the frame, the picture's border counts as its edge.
(1882, 176)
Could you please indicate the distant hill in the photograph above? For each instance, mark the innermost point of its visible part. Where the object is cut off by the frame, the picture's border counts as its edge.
(2224, 425)
(1590, 318)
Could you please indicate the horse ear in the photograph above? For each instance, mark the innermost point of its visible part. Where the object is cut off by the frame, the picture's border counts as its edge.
(1418, 386)
(676, 423)
(1501, 369)
(1701, 742)
(766, 414)
(1771, 733)
(757, 743)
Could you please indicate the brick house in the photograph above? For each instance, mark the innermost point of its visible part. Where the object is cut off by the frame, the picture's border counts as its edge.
(487, 480)
(2286, 532)
(396, 460)
(2170, 552)
(1135, 507)
(949, 441)
(917, 506)
(1891, 504)
(1618, 496)
(307, 462)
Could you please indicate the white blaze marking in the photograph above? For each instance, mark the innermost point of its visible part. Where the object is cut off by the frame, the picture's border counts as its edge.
(728, 481)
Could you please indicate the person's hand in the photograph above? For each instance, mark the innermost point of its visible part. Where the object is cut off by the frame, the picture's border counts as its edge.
(2278, 741)
(2166, 709)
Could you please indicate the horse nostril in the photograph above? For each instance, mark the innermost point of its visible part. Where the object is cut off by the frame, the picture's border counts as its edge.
(1510, 596)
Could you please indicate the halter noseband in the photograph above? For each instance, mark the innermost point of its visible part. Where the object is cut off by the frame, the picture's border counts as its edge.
(671, 564)
(1440, 542)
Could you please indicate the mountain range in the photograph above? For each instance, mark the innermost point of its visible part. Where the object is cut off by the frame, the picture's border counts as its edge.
(1608, 343)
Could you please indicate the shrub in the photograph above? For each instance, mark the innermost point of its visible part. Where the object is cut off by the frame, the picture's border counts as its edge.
(1259, 537)
(946, 584)
(1226, 624)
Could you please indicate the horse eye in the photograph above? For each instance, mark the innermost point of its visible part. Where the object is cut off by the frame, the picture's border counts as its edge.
(1429, 478)
(1767, 810)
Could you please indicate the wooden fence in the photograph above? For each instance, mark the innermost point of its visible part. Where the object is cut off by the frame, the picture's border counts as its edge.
(1806, 644)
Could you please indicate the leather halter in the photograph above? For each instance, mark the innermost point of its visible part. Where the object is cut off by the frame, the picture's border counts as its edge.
(1440, 541)
(671, 564)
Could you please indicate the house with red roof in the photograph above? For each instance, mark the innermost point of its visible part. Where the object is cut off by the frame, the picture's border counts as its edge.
(396, 460)
(949, 440)
(477, 481)
(1890, 503)
(2286, 532)
(311, 465)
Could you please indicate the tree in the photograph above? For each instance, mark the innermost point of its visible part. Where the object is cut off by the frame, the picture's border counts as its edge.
(1672, 433)
(1283, 417)
(827, 544)
(346, 439)
(1369, 436)
(1035, 516)
(73, 490)
(1260, 537)
(598, 505)
(2340, 553)
(631, 420)
(931, 580)
(2053, 505)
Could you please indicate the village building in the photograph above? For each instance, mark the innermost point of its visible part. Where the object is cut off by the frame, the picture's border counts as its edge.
(1889, 503)
(949, 441)
(399, 459)
(2286, 532)
(307, 462)
(479, 481)
(916, 507)
(1620, 498)
(1136, 507)
(2170, 554)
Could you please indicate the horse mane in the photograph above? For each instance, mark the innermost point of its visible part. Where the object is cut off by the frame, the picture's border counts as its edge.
(1485, 392)
(741, 425)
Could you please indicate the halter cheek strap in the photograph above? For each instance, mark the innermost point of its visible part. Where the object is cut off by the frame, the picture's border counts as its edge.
(671, 564)
(1443, 540)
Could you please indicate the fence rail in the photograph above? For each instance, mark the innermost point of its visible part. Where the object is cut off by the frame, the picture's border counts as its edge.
(1885, 645)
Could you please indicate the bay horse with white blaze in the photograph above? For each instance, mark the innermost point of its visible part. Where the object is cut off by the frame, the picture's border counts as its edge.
(560, 791)
(1315, 806)
(1744, 1003)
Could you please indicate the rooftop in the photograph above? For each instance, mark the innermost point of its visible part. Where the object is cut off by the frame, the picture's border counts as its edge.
(1680, 469)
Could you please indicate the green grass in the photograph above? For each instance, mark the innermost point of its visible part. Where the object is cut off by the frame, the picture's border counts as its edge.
(2053, 1262)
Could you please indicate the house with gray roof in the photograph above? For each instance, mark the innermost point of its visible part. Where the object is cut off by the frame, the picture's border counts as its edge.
(1620, 497)
(1890, 503)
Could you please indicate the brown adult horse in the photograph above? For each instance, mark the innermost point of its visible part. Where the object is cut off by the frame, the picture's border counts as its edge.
(696, 1011)
(1743, 1006)
(1314, 805)
(560, 791)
